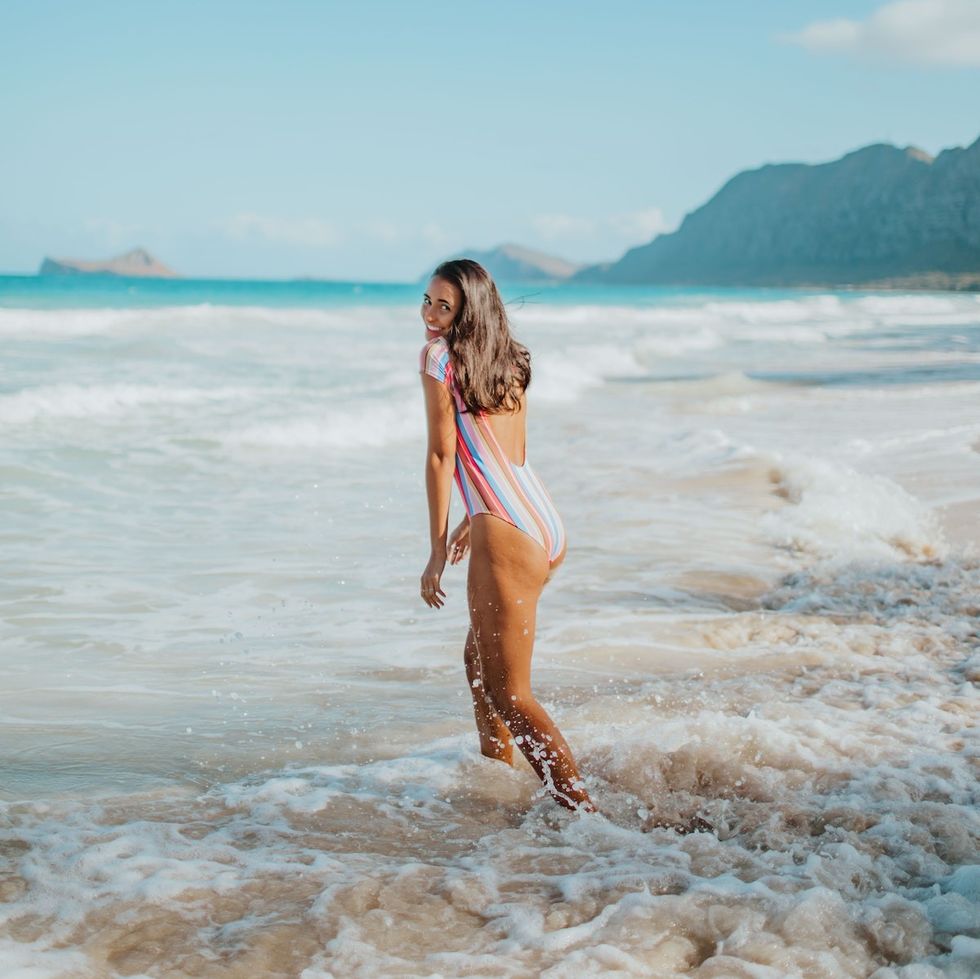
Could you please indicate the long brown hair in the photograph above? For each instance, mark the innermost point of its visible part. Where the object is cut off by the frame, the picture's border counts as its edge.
(493, 370)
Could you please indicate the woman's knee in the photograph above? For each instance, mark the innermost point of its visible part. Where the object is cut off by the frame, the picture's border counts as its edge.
(509, 700)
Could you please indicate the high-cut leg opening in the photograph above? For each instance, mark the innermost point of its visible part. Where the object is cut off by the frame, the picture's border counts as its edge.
(510, 523)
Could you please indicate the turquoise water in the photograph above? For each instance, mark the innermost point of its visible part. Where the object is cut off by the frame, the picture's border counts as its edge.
(113, 292)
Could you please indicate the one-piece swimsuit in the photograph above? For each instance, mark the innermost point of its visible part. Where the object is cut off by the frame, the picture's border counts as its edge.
(488, 481)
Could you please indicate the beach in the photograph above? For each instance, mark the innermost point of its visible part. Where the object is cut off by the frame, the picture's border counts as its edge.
(235, 743)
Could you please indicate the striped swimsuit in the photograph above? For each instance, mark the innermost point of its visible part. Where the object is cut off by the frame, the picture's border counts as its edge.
(487, 479)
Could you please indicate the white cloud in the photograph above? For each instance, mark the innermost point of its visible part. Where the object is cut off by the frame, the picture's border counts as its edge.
(629, 228)
(925, 32)
(553, 226)
(311, 232)
(115, 234)
(384, 231)
(642, 225)
(433, 234)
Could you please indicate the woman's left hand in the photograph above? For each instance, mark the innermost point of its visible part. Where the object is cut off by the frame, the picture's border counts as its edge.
(432, 593)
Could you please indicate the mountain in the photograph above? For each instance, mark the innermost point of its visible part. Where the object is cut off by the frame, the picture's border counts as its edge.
(878, 216)
(514, 263)
(137, 263)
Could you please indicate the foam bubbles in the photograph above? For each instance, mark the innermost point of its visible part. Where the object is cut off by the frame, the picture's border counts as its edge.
(837, 512)
(371, 425)
(563, 376)
(80, 402)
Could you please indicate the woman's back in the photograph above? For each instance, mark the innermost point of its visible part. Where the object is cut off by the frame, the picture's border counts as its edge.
(510, 431)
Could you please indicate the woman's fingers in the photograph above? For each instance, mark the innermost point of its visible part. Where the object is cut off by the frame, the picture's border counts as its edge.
(458, 544)
(432, 593)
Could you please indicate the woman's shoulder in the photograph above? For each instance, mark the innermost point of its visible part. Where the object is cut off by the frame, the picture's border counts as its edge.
(434, 358)
(438, 343)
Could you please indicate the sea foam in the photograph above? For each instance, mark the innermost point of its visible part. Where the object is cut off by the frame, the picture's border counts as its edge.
(75, 401)
(235, 739)
(838, 513)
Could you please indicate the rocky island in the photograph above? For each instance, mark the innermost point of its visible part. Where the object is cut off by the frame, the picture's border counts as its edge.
(137, 263)
(514, 263)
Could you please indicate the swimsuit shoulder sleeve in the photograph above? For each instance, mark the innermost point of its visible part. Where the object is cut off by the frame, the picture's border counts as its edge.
(434, 360)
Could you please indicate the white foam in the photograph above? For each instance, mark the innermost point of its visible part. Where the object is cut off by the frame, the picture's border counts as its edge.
(839, 513)
(76, 401)
(563, 376)
(674, 344)
(835, 826)
(702, 325)
(372, 425)
(419, 781)
(37, 960)
(921, 310)
(164, 320)
(690, 451)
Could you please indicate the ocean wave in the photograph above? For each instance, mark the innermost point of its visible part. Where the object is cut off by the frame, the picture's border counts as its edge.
(907, 309)
(910, 392)
(563, 376)
(840, 514)
(372, 425)
(695, 451)
(839, 799)
(50, 323)
(726, 393)
(674, 328)
(75, 401)
(709, 322)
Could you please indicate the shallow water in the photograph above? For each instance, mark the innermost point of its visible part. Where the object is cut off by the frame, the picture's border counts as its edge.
(235, 744)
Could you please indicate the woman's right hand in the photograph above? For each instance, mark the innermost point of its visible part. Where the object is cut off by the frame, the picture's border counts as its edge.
(458, 544)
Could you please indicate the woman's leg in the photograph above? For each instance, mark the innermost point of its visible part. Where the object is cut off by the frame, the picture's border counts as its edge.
(507, 572)
(495, 740)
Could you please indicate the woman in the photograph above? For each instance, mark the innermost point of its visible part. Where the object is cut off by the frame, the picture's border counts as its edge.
(474, 375)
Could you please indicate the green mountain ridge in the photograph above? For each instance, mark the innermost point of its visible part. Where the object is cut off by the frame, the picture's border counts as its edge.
(878, 216)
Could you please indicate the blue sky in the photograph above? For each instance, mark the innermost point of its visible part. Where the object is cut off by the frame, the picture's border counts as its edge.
(368, 140)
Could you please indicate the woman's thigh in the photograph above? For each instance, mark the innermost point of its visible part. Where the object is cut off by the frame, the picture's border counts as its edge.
(507, 571)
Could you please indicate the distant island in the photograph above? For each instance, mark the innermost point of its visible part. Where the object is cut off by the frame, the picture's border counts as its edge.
(514, 263)
(879, 217)
(137, 263)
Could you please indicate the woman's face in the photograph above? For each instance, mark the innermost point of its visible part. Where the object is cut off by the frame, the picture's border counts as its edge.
(440, 304)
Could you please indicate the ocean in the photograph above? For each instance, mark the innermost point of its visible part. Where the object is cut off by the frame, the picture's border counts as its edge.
(235, 743)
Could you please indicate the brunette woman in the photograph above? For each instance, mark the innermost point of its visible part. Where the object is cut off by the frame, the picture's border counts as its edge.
(475, 377)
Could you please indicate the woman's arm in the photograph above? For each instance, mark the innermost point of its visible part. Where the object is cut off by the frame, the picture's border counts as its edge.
(440, 461)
